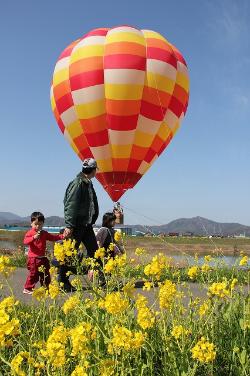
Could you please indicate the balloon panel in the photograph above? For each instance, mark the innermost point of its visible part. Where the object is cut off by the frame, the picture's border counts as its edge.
(119, 96)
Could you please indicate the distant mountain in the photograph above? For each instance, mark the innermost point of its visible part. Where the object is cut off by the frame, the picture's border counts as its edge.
(6, 216)
(198, 226)
(195, 225)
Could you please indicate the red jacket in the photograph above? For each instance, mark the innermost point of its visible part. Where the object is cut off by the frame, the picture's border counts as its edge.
(37, 247)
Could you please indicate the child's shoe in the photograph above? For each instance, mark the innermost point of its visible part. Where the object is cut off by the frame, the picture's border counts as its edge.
(26, 291)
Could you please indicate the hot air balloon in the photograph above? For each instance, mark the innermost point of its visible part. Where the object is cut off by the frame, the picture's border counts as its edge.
(119, 96)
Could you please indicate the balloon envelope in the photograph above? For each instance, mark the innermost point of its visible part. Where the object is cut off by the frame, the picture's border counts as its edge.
(119, 96)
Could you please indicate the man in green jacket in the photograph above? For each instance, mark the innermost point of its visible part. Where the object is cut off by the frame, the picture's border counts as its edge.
(80, 213)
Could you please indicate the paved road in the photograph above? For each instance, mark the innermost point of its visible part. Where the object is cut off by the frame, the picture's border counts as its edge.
(17, 279)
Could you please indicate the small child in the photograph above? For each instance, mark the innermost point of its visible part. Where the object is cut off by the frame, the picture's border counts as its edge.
(106, 235)
(36, 239)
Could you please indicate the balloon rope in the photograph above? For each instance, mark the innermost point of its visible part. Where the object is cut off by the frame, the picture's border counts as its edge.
(164, 240)
(156, 235)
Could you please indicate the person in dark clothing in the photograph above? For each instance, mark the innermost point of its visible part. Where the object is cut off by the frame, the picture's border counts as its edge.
(106, 235)
(80, 213)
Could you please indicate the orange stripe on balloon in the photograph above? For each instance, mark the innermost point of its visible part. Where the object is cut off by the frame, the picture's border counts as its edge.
(122, 108)
(125, 47)
(86, 64)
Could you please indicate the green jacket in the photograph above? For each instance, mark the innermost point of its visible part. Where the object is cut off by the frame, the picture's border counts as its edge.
(77, 202)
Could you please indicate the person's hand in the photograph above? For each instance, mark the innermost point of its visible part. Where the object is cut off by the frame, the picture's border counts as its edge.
(67, 232)
(37, 235)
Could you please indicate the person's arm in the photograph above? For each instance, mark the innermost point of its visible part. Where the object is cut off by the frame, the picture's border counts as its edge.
(101, 236)
(28, 238)
(95, 216)
(53, 237)
(71, 202)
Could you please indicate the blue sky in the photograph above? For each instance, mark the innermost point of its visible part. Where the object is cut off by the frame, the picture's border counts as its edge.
(204, 171)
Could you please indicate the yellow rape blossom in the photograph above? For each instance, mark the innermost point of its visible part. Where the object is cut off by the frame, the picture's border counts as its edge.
(70, 304)
(129, 289)
(79, 371)
(167, 293)
(107, 367)
(64, 250)
(80, 337)
(114, 303)
(145, 316)
(5, 267)
(219, 289)
(100, 253)
(244, 261)
(118, 236)
(178, 331)
(140, 251)
(204, 351)
(204, 307)
(156, 266)
(193, 271)
(208, 258)
(54, 289)
(125, 339)
(55, 347)
(40, 293)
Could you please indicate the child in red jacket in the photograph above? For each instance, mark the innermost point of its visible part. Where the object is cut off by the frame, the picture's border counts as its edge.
(36, 239)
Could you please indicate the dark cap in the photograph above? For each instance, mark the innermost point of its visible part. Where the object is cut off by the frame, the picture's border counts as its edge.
(89, 163)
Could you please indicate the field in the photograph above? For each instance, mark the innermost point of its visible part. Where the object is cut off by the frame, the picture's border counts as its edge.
(162, 329)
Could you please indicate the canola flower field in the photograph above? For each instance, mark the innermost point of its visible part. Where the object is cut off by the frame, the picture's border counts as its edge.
(114, 330)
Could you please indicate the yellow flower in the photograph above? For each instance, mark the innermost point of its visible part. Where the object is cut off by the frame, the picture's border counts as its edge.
(118, 236)
(40, 293)
(140, 251)
(80, 337)
(64, 250)
(179, 331)
(219, 289)
(145, 316)
(204, 351)
(114, 303)
(107, 367)
(54, 289)
(100, 253)
(208, 258)
(79, 371)
(233, 283)
(205, 268)
(147, 286)
(5, 267)
(129, 289)
(55, 347)
(167, 293)
(157, 266)
(193, 271)
(204, 307)
(125, 339)
(244, 261)
(70, 304)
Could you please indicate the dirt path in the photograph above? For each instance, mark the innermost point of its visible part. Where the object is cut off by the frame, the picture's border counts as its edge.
(16, 282)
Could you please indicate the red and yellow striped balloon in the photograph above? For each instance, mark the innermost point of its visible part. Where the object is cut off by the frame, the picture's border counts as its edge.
(119, 95)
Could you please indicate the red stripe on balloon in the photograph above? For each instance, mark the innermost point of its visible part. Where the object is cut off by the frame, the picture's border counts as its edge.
(124, 61)
(86, 79)
(152, 111)
(163, 55)
(97, 138)
(176, 106)
(64, 103)
(121, 123)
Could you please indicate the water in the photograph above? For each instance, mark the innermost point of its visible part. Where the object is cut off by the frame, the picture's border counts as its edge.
(218, 260)
(51, 229)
